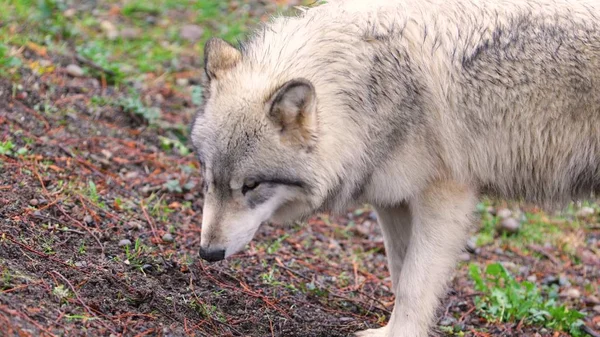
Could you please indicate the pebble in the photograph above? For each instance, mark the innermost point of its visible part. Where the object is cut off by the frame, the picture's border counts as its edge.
(70, 12)
(88, 219)
(585, 212)
(109, 29)
(597, 308)
(571, 293)
(74, 70)
(34, 202)
(550, 280)
(124, 243)
(448, 321)
(472, 245)
(80, 264)
(136, 225)
(532, 278)
(147, 268)
(182, 82)
(191, 33)
(168, 237)
(130, 33)
(510, 225)
(131, 175)
(504, 213)
(563, 281)
(465, 257)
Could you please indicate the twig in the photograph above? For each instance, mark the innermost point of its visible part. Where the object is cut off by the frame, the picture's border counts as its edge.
(590, 331)
(93, 65)
(151, 223)
(11, 239)
(88, 309)
(33, 112)
(382, 308)
(541, 250)
(27, 318)
(75, 293)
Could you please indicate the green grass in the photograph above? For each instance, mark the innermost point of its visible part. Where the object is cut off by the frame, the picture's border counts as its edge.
(154, 49)
(504, 299)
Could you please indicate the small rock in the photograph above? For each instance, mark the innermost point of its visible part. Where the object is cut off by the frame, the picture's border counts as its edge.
(131, 175)
(346, 319)
(563, 281)
(182, 82)
(45, 64)
(465, 257)
(191, 33)
(448, 321)
(136, 225)
(550, 280)
(74, 70)
(510, 225)
(168, 237)
(597, 308)
(571, 293)
(34, 202)
(80, 264)
(88, 219)
(147, 268)
(188, 197)
(504, 213)
(109, 29)
(585, 212)
(151, 20)
(124, 243)
(593, 299)
(69, 13)
(532, 278)
(130, 33)
(472, 245)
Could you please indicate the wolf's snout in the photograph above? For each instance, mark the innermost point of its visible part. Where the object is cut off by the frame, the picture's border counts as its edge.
(212, 255)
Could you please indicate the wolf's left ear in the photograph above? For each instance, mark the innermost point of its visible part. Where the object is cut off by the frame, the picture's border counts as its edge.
(219, 56)
(293, 109)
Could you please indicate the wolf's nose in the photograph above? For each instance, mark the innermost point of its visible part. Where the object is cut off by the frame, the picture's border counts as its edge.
(212, 255)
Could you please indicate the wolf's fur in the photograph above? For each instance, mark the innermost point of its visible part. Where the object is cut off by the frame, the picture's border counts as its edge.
(414, 106)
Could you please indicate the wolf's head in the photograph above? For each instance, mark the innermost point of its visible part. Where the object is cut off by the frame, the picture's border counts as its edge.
(255, 138)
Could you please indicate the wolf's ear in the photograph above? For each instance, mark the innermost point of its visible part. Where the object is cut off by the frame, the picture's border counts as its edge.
(219, 56)
(293, 109)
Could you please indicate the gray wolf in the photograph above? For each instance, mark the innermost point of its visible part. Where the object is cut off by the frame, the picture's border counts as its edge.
(414, 106)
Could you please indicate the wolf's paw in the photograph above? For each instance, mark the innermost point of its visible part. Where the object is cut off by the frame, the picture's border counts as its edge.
(380, 332)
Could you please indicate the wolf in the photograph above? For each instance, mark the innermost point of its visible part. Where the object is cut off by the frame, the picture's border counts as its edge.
(416, 107)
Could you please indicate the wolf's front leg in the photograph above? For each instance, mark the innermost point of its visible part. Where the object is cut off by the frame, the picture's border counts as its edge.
(395, 223)
(441, 217)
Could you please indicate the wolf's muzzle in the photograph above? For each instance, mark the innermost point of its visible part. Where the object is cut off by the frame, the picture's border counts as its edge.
(212, 255)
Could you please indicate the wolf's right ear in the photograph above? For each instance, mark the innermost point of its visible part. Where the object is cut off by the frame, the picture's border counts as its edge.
(219, 56)
(293, 109)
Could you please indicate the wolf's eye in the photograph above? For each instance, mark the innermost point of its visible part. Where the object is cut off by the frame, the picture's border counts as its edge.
(249, 186)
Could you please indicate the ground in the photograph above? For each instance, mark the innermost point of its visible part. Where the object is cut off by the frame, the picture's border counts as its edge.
(100, 205)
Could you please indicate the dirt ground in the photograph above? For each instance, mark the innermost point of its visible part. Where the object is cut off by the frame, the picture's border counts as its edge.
(100, 220)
